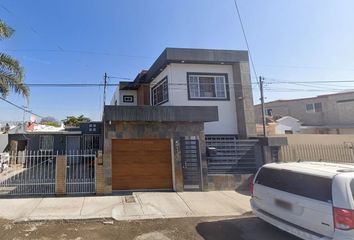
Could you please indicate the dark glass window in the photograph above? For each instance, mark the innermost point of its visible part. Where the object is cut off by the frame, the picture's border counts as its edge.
(310, 186)
(128, 98)
(160, 92)
(318, 107)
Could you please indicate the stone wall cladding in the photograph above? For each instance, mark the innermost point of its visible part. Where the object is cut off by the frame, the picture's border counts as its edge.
(158, 130)
(246, 122)
(100, 186)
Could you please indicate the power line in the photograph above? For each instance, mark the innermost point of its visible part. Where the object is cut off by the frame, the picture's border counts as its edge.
(53, 85)
(318, 86)
(122, 78)
(54, 51)
(273, 80)
(245, 37)
(19, 107)
(307, 90)
(28, 25)
(309, 67)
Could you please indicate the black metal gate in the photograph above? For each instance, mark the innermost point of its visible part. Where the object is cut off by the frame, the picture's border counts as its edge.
(233, 156)
(191, 164)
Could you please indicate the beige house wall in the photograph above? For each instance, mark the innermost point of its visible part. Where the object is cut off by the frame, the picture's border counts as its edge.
(337, 109)
(324, 139)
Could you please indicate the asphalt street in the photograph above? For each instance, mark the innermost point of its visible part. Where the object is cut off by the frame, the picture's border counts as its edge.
(221, 228)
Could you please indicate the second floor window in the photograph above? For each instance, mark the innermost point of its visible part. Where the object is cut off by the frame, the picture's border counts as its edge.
(207, 86)
(159, 92)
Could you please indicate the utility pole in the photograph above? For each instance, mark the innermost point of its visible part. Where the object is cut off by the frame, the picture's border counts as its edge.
(24, 117)
(261, 80)
(104, 89)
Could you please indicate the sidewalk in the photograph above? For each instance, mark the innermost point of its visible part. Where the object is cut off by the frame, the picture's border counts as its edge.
(140, 205)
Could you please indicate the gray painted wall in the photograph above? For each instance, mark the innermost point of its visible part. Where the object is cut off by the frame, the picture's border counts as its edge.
(33, 141)
(3, 142)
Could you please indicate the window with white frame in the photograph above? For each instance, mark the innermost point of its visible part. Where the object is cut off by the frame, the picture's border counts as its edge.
(159, 92)
(207, 86)
(46, 143)
(314, 107)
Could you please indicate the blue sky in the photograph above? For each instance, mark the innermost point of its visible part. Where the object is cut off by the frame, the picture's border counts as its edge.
(290, 40)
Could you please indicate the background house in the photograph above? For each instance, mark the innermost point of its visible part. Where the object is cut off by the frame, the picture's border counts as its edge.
(51, 139)
(331, 113)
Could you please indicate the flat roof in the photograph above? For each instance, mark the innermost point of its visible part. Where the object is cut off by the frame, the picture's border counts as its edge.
(308, 98)
(161, 113)
(191, 55)
(50, 133)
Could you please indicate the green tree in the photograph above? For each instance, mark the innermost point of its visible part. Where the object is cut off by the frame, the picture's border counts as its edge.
(50, 121)
(73, 121)
(11, 72)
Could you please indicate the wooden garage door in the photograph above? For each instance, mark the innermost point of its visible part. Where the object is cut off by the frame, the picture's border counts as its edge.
(141, 164)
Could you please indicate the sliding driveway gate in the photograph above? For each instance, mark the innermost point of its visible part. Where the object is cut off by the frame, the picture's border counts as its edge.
(28, 173)
(35, 173)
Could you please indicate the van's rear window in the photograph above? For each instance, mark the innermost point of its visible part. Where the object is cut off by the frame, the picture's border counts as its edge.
(352, 187)
(315, 187)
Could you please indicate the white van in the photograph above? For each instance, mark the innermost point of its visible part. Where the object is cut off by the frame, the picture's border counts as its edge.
(307, 199)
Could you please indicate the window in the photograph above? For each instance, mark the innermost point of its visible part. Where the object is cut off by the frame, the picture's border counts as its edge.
(46, 143)
(115, 102)
(352, 187)
(128, 98)
(159, 92)
(92, 127)
(91, 142)
(207, 86)
(309, 107)
(314, 107)
(310, 186)
(318, 107)
(269, 112)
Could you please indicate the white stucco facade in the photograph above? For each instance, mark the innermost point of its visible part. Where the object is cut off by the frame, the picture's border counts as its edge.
(118, 97)
(176, 74)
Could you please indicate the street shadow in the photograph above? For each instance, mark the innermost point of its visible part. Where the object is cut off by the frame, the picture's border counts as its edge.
(245, 228)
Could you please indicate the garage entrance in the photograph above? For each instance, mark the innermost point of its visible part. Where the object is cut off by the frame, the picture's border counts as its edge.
(141, 164)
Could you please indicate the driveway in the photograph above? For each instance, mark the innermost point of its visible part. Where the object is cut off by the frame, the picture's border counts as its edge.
(221, 228)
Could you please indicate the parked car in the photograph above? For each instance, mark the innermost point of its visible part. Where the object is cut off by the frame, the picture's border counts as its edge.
(309, 200)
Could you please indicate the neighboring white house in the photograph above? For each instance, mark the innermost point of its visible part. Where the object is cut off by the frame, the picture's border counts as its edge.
(288, 125)
(197, 77)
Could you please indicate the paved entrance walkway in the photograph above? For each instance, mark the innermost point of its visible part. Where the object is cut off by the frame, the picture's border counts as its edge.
(139, 205)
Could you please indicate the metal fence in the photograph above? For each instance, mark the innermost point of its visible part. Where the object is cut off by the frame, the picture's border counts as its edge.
(232, 156)
(335, 153)
(27, 173)
(34, 172)
(80, 175)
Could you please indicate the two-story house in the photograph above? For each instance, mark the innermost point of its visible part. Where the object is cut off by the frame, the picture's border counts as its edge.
(330, 113)
(158, 126)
